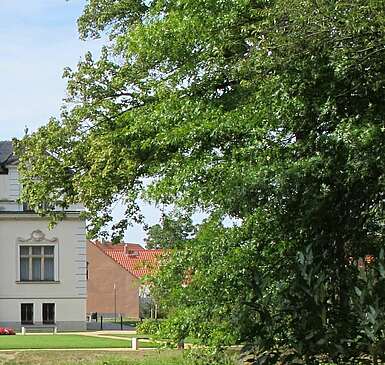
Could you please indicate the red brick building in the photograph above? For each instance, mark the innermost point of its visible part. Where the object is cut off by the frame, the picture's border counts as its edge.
(114, 275)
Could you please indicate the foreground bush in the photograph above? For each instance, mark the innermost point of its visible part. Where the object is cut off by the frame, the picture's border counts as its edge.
(149, 327)
(7, 331)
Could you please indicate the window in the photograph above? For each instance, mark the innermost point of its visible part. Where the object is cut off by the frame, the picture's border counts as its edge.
(48, 313)
(37, 263)
(26, 313)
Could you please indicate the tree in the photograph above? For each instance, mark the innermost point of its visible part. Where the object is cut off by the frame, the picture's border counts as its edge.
(172, 232)
(270, 112)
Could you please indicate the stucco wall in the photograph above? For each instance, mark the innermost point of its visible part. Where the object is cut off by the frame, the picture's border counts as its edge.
(68, 291)
(69, 314)
(4, 187)
(10, 190)
(103, 274)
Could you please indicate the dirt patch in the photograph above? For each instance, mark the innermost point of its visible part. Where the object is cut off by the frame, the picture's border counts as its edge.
(82, 357)
(7, 358)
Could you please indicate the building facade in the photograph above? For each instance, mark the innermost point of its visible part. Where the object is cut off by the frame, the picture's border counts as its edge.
(115, 273)
(42, 271)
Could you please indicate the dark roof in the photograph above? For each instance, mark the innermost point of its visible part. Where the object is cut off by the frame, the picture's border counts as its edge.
(6, 153)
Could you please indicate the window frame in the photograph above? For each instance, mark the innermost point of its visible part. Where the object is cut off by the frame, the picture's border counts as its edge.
(21, 314)
(48, 322)
(42, 256)
(38, 238)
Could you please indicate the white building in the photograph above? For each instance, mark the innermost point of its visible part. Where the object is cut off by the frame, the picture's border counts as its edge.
(42, 271)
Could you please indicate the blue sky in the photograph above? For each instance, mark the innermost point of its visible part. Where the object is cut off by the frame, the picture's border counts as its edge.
(38, 39)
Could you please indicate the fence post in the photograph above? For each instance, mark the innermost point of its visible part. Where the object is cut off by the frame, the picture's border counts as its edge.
(134, 342)
(101, 323)
(181, 344)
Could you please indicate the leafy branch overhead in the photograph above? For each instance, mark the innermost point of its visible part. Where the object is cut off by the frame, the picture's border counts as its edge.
(172, 232)
(267, 112)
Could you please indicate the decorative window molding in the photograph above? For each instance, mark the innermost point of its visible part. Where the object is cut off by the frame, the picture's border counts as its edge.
(37, 237)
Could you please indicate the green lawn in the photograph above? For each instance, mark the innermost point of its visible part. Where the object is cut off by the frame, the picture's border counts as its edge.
(129, 335)
(189, 340)
(133, 322)
(149, 345)
(66, 342)
(59, 342)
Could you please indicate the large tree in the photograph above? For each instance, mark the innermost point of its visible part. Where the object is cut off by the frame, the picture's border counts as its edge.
(173, 230)
(268, 112)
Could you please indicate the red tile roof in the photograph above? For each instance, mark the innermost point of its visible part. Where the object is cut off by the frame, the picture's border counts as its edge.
(132, 257)
(119, 246)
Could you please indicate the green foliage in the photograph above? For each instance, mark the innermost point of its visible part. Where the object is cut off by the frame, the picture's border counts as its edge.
(369, 306)
(149, 327)
(210, 357)
(173, 230)
(269, 114)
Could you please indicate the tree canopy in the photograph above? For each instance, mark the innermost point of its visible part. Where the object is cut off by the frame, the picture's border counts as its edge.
(270, 112)
(173, 231)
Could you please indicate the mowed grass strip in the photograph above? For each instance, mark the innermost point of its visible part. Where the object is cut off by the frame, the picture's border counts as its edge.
(189, 340)
(147, 343)
(60, 342)
(92, 358)
(129, 335)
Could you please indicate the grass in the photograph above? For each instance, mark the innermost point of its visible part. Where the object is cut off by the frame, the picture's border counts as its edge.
(133, 322)
(60, 342)
(129, 335)
(93, 358)
(190, 340)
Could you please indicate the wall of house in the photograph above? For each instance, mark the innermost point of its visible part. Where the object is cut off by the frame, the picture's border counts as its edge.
(104, 274)
(69, 289)
(10, 190)
(4, 187)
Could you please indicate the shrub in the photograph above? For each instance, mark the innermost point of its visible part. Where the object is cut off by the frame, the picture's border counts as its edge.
(149, 327)
(7, 331)
(210, 356)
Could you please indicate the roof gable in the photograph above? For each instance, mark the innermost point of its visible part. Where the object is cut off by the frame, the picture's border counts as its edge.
(6, 153)
(132, 257)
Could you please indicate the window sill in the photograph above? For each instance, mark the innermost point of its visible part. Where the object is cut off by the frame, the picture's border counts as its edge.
(38, 282)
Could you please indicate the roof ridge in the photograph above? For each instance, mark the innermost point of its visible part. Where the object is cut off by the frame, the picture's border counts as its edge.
(117, 262)
(120, 244)
(138, 264)
(7, 153)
